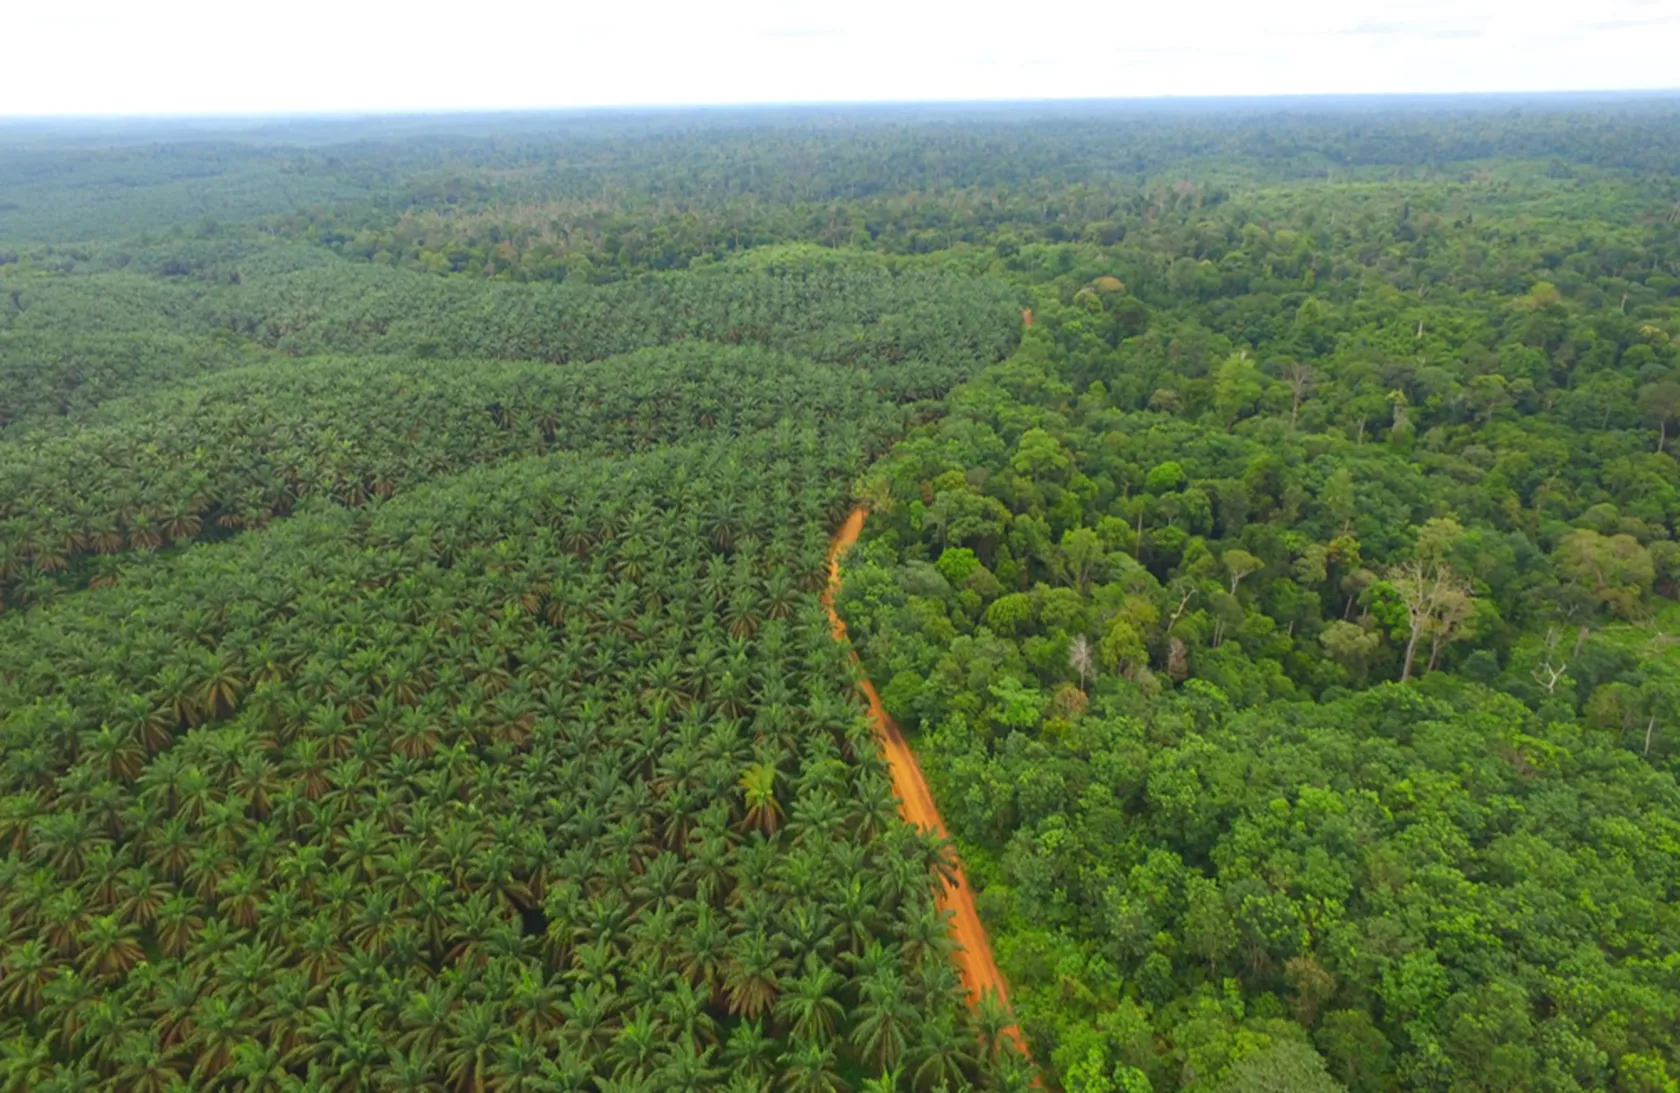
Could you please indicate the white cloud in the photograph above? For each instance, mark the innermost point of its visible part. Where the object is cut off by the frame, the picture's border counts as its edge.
(210, 56)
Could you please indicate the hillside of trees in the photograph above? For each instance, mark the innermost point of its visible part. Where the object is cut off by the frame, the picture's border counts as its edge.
(1288, 630)
(413, 674)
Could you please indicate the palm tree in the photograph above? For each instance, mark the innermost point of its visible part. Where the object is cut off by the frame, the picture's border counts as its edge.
(110, 1021)
(888, 1081)
(810, 1068)
(941, 1053)
(703, 945)
(537, 1002)
(425, 1017)
(520, 1066)
(218, 1028)
(110, 947)
(345, 1043)
(927, 935)
(750, 976)
(24, 1061)
(588, 1024)
(683, 1008)
(476, 1034)
(412, 1071)
(808, 1006)
(144, 1065)
(749, 1051)
(26, 970)
(686, 1067)
(873, 807)
(994, 1019)
(885, 1019)
(66, 1003)
(72, 1077)
(637, 1043)
(1014, 1073)
(807, 926)
(758, 787)
(816, 813)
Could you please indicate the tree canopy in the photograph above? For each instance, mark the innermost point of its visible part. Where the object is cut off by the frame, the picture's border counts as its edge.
(412, 668)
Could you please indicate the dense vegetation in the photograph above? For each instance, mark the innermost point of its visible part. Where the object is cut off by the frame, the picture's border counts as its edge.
(414, 683)
(1286, 629)
(411, 668)
(545, 773)
(230, 303)
(248, 445)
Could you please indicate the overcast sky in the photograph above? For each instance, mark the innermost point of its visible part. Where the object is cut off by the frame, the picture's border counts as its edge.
(260, 56)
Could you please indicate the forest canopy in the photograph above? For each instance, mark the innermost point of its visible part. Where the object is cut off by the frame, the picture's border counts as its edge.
(413, 673)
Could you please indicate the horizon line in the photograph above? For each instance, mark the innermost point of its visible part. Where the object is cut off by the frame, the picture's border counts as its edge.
(366, 113)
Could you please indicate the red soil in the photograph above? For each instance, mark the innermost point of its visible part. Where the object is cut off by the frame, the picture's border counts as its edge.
(974, 958)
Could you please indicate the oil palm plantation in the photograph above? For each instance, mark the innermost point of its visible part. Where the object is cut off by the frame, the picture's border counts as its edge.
(437, 695)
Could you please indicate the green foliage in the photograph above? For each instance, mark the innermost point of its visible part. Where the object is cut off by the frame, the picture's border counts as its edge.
(410, 682)
(1325, 585)
(248, 446)
(1285, 1067)
(572, 644)
(412, 674)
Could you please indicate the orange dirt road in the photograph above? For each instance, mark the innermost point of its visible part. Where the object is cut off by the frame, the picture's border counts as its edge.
(974, 958)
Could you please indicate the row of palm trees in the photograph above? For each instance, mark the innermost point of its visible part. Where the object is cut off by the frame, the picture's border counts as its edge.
(548, 777)
(247, 447)
(822, 305)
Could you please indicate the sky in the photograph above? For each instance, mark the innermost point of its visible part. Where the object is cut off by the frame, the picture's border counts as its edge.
(104, 57)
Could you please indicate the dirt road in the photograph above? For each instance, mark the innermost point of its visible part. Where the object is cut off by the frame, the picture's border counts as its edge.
(974, 959)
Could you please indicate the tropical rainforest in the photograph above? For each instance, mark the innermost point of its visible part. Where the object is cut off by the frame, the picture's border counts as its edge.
(414, 533)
